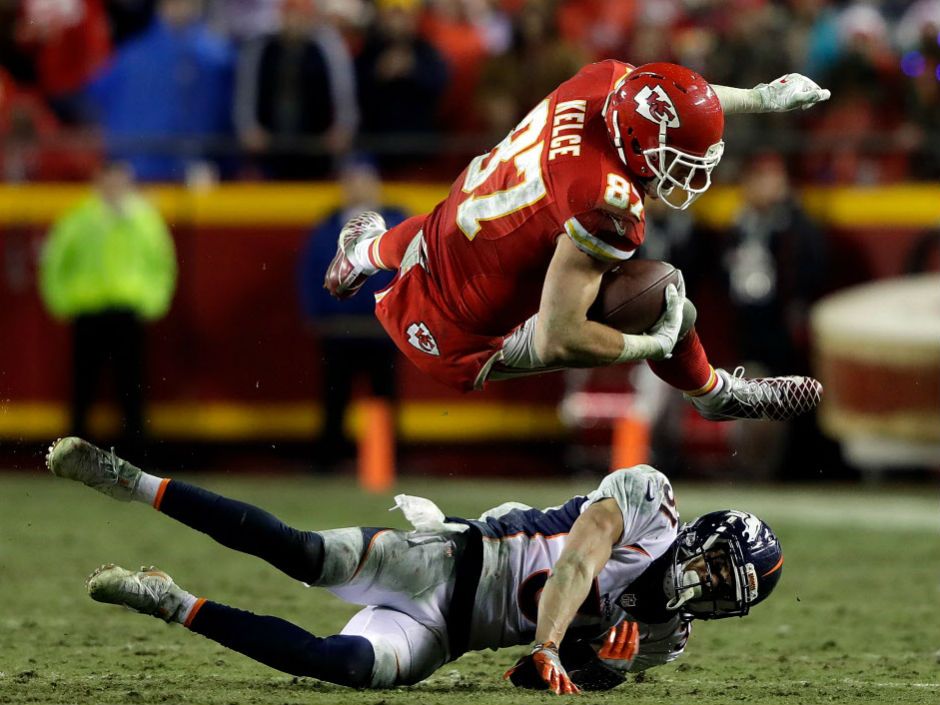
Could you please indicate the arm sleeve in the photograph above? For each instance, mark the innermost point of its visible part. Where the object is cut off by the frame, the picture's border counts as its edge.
(738, 100)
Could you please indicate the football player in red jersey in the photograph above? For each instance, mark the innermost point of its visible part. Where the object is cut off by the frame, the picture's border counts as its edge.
(497, 280)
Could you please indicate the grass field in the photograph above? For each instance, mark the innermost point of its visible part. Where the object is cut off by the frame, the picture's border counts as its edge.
(855, 618)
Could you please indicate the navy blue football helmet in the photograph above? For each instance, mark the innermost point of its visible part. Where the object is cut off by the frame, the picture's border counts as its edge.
(722, 564)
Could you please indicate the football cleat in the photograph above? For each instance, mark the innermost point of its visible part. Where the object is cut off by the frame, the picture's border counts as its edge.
(148, 591)
(77, 459)
(773, 398)
(344, 278)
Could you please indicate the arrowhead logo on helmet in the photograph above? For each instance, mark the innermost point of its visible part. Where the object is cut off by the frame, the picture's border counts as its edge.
(655, 105)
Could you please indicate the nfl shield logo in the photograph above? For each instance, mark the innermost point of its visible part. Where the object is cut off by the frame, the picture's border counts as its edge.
(420, 337)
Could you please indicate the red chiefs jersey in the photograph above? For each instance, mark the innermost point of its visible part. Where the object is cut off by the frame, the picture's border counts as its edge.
(489, 243)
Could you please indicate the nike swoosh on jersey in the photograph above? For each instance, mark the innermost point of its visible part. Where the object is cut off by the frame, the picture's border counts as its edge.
(617, 226)
(649, 491)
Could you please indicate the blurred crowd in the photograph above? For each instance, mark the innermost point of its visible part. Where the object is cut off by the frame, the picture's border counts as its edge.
(193, 89)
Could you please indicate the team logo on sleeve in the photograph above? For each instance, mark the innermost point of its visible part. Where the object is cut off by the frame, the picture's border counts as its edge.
(656, 106)
(420, 337)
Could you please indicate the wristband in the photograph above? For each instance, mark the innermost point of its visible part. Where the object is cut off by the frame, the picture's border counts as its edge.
(637, 347)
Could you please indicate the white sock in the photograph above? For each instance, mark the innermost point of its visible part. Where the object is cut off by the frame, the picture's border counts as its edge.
(716, 390)
(148, 487)
(187, 605)
(360, 257)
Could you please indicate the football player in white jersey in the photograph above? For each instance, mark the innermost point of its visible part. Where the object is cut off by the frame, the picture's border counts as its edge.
(605, 584)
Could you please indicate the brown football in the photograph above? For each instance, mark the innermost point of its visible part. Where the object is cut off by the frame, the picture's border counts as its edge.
(633, 296)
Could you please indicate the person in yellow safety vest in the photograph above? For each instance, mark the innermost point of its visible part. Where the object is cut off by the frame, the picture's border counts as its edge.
(108, 265)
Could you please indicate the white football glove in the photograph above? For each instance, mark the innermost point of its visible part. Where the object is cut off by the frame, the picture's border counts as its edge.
(665, 332)
(789, 93)
(657, 343)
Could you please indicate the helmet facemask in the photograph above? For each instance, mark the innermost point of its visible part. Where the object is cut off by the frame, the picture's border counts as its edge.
(674, 169)
(710, 580)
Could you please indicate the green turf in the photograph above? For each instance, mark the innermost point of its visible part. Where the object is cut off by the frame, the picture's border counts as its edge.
(854, 620)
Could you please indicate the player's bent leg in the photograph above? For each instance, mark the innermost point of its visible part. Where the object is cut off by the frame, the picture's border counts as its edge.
(721, 396)
(246, 528)
(389, 249)
(234, 524)
(327, 558)
(344, 660)
(406, 651)
(688, 368)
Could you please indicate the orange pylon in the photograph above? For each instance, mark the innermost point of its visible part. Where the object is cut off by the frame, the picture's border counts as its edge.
(630, 443)
(377, 446)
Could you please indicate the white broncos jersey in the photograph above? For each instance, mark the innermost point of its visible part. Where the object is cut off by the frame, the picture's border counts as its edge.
(521, 544)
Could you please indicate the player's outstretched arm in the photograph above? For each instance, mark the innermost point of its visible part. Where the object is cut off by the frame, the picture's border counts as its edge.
(786, 93)
(586, 552)
(564, 337)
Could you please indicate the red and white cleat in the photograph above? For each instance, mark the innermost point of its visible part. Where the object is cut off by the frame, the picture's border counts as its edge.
(343, 277)
(774, 398)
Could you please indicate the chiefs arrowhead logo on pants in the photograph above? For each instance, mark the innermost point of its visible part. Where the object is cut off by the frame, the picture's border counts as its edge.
(420, 337)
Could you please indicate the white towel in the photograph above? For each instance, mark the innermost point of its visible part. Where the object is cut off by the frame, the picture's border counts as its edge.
(424, 515)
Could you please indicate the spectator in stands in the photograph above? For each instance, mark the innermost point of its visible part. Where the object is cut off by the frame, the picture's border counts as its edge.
(867, 101)
(775, 267)
(244, 20)
(352, 343)
(401, 80)
(453, 29)
(537, 61)
(31, 139)
(107, 266)
(922, 106)
(599, 27)
(69, 42)
(813, 37)
(296, 95)
(673, 236)
(166, 98)
(776, 264)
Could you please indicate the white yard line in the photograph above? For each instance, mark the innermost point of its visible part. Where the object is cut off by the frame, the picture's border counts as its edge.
(888, 512)
(802, 683)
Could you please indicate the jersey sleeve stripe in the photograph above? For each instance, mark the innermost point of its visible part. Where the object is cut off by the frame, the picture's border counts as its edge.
(638, 549)
(593, 245)
(617, 81)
